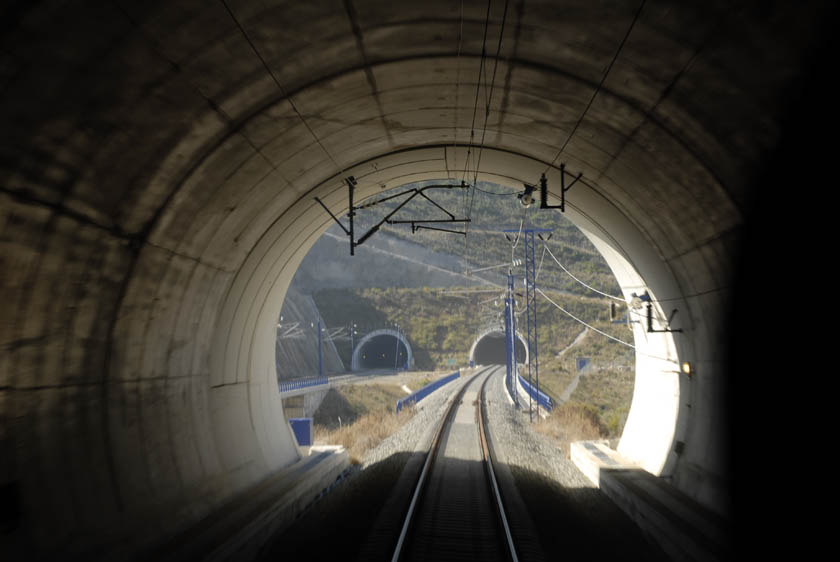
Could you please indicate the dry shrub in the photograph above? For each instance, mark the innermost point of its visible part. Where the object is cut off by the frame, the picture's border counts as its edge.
(366, 432)
(572, 421)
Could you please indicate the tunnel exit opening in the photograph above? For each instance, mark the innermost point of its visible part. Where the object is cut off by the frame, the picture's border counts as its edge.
(652, 421)
(384, 351)
(489, 349)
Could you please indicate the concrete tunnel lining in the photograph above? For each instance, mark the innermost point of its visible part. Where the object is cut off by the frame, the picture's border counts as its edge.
(158, 192)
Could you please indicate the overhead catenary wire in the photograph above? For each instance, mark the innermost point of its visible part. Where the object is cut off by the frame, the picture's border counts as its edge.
(457, 106)
(570, 274)
(490, 93)
(458, 78)
(477, 91)
(471, 195)
(537, 276)
(283, 92)
(630, 310)
(504, 194)
(622, 300)
(488, 101)
(601, 332)
(598, 88)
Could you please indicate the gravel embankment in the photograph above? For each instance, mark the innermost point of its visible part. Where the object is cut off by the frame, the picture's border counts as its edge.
(517, 444)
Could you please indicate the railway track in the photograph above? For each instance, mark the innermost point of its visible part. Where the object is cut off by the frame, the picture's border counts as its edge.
(456, 511)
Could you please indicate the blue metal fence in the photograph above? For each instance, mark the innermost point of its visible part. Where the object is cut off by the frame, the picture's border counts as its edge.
(543, 399)
(426, 390)
(297, 384)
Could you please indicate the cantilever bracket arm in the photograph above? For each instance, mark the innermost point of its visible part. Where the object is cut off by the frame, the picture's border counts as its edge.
(415, 228)
(338, 222)
(563, 189)
(650, 327)
(351, 183)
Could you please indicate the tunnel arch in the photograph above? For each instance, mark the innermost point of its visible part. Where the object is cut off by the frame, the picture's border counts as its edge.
(372, 339)
(157, 198)
(654, 422)
(497, 335)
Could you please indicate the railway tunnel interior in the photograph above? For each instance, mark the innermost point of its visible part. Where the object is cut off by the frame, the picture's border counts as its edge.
(159, 163)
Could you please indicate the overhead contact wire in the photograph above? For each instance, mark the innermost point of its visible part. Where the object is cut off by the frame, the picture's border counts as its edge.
(490, 95)
(282, 89)
(600, 85)
(570, 274)
(471, 195)
(601, 332)
(477, 91)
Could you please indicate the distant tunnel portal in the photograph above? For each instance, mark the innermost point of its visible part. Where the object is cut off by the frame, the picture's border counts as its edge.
(384, 351)
(489, 349)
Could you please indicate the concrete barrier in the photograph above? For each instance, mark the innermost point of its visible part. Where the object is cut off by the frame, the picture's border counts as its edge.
(682, 527)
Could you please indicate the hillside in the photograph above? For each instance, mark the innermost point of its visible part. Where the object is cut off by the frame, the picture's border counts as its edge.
(495, 208)
(421, 281)
(440, 325)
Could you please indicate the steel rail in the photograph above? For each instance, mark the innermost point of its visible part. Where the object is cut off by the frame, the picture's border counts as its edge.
(481, 414)
(493, 487)
(433, 450)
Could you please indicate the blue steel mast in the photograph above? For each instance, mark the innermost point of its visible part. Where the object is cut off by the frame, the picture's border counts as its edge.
(510, 341)
(531, 305)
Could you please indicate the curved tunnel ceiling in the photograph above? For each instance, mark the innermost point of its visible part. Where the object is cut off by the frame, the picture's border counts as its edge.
(158, 167)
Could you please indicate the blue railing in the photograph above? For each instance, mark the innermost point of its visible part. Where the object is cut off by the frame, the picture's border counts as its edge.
(297, 384)
(543, 399)
(426, 390)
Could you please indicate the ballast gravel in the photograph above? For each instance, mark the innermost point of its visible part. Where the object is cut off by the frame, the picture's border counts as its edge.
(564, 511)
(516, 443)
(416, 435)
(561, 509)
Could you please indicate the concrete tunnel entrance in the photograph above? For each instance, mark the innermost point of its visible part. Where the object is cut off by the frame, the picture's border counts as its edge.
(489, 349)
(382, 349)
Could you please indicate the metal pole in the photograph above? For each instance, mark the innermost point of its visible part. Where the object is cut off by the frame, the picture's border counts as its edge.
(352, 344)
(510, 341)
(351, 182)
(531, 302)
(320, 361)
(397, 350)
